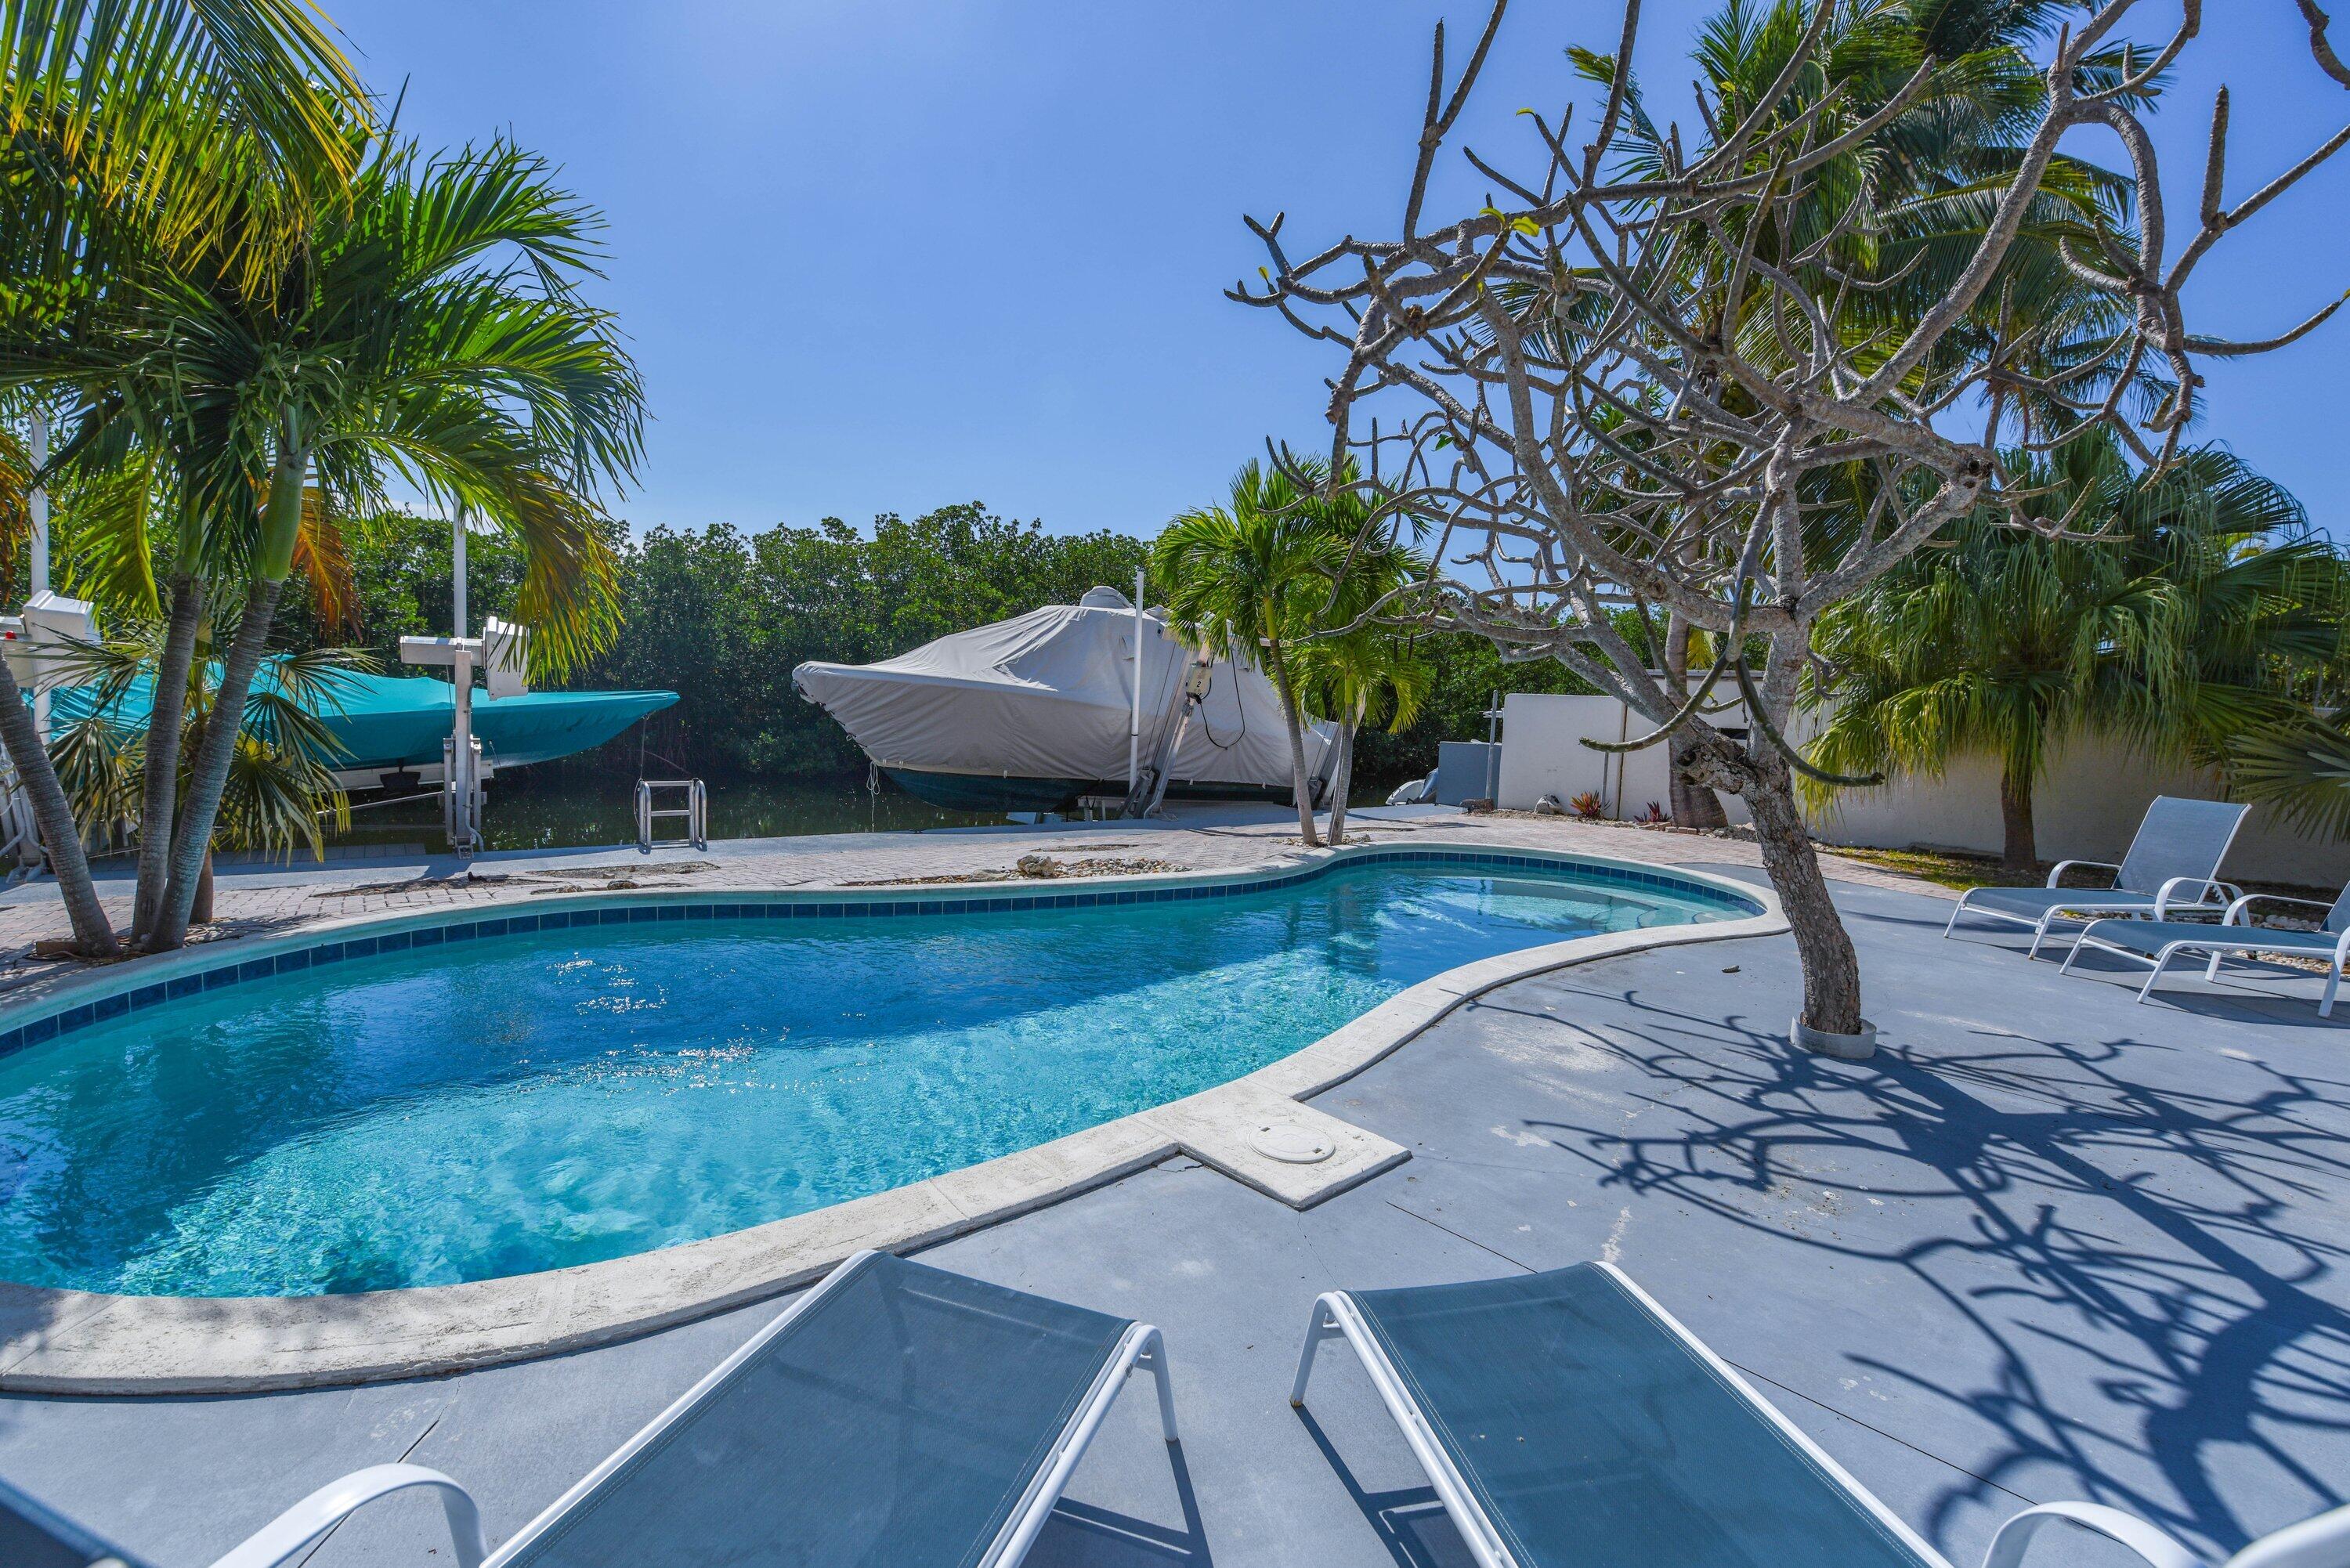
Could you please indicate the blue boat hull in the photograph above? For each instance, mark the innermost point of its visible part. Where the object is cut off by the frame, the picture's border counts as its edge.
(388, 723)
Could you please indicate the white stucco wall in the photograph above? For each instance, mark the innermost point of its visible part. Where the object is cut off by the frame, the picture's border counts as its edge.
(2086, 809)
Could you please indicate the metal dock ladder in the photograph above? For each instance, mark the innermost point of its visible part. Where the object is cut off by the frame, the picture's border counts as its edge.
(695, 811)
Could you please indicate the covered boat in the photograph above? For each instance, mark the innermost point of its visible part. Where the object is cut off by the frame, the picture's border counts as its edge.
(1028, 714)
(386, 723)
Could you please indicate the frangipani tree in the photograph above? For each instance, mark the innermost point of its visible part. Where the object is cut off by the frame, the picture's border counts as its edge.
(1725, 384)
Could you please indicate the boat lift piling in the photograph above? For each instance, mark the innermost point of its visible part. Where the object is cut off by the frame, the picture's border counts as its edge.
(1134, 724)
(461, 753)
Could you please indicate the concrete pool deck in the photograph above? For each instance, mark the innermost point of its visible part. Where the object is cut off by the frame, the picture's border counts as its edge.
(2047, 1245)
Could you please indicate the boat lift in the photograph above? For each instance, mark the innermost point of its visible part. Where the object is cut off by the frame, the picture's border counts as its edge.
(502, 653)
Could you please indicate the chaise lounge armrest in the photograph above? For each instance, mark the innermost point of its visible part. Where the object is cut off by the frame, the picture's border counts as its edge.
(2236, 915)
(300, 1526)
(2056, 874)
(2203, 886)
(2154, 1546)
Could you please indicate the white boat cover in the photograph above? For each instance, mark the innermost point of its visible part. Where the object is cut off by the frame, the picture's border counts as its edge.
(1048, 695)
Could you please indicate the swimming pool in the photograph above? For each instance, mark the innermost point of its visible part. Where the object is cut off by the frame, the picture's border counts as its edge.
(425, 1109)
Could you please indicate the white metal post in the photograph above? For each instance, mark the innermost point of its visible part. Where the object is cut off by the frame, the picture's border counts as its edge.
(462, 781)
(1134, 724)
(37, 504)
(457, 572)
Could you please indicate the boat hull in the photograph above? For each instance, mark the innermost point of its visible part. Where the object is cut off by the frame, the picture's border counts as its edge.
(993, 791)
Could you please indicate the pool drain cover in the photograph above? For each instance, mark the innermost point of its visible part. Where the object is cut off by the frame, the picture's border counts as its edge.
(1292, 1144)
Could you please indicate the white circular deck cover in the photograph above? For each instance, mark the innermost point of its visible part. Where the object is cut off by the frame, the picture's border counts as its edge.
(1292, 1144)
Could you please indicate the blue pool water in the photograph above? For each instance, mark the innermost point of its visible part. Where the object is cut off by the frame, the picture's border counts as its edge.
(528, 1101)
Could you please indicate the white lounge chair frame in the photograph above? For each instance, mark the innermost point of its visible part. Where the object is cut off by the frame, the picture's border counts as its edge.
(2320, 1543)
(2090, 904)
(306, 1522)
(2220, 945)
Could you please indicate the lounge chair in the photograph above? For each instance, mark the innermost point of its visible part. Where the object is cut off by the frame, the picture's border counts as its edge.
(2158, 941)
(896, 1414)
(1566, 1418)
(2170, 868)
(33, 1537)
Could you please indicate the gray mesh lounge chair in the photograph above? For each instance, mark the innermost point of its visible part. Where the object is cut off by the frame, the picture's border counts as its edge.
(1566, 1418)
(2158, 941)
(2170, 866)
(31, 1536)
(895, 1414)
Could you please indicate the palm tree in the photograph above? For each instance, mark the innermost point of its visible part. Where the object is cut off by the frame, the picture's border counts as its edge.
(2301, 767)
(130, 129)
(1249, 577)
(1374, 673)
(2195, 620)
(430, 327)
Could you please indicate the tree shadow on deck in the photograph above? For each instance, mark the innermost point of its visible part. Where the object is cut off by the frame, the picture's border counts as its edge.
(2167, 1236)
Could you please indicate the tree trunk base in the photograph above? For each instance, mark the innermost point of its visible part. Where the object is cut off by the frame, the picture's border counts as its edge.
(1857, 1047)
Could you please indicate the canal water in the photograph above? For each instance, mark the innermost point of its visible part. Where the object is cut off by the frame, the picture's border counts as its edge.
(547, 808)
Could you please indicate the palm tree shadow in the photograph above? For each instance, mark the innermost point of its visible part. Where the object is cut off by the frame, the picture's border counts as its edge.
(2021, 1149)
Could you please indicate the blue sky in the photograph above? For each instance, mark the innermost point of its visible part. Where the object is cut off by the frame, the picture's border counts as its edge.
(882, 255)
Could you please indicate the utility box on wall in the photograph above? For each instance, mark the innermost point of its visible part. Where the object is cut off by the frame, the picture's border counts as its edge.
(1465, 770)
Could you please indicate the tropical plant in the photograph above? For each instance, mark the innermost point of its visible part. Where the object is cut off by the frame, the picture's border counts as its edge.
(2199, 615)
(1249, 577)
(281, 786)
(1727, 387)
(132, 130)
(2302, 769)
(1370, 672)
(429, 327)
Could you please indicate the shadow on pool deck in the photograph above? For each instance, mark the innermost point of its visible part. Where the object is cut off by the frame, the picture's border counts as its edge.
(2220, 1310)
(2047, 1245)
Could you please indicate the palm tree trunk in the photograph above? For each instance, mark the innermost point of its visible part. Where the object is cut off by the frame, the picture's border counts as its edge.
(1693, 804)
(159, 800)
(193, 838)
(1831, 970)
(1342, 777)
(1299, 787)
(61, 839)
(2018, 850)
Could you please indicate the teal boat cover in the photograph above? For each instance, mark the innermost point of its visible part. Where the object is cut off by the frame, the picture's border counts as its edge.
(399, 722)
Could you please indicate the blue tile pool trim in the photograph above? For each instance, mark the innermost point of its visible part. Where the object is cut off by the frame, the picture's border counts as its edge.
(79, 1012)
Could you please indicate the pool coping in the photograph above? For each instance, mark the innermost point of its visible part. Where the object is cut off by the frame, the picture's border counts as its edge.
(57, 1341)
